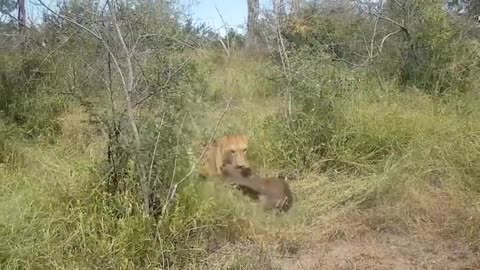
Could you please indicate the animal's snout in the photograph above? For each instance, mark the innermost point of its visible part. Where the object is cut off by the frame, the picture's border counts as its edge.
(242, 162)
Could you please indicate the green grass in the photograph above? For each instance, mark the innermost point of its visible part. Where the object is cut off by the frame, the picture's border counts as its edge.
(401, 162)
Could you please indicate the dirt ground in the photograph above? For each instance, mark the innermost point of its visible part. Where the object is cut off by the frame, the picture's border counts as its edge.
(385, 251)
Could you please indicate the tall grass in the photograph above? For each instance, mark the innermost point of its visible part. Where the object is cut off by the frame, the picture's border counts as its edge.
(406, 161)
(359, 150)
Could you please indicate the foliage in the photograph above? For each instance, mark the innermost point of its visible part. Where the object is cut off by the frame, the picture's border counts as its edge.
(431, 45)
(46, 224)
(6, 7)
(383, 133)
(330, 28)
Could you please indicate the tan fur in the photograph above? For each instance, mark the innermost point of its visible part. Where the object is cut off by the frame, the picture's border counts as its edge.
(275, 192)
(234, 145)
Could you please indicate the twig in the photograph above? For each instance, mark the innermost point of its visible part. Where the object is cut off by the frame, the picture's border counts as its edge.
(372, 42)
(285, 62)
(164, 85)
(173, 190)
(380, 48)
(176, 152)
(98, 36)
(128, 89)
(402, 26)
(155, 148)
(227, 46)
(8, 15)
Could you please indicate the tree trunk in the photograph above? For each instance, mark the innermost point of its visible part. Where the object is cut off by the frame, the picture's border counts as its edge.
(22, 18)
(252, 32)
(295, 6)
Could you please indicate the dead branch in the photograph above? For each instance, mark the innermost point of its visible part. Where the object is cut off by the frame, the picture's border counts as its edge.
(380, 48)
(226, 47)
(128, 89)
(400, 25)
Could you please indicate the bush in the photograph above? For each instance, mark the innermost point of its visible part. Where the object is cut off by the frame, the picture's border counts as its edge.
(25, 99)
(56, 229)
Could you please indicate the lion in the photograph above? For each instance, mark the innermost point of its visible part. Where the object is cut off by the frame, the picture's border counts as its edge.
(234, 145)
(274, 192)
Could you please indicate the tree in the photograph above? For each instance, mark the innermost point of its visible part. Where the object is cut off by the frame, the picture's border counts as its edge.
(252, 22)
(6, 8)
(471, 7)
(279, 6)
(127, 59)
(22, 19)
(295, 6)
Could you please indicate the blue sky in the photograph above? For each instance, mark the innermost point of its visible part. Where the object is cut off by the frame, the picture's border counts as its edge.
(234, 12)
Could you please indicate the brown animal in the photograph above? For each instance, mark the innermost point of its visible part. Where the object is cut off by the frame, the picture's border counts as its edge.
(233, 145)
(273, 191)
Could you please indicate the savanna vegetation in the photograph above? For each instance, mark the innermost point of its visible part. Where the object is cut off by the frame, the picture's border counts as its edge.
(369, 108)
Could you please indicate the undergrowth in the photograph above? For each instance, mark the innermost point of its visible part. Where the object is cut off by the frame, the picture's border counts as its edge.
(391, 145)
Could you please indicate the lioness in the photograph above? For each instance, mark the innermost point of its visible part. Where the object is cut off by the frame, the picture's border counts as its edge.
(234, 145)
(273, 191)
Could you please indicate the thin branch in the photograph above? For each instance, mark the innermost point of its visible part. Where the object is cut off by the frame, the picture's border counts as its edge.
(176, 152)
(380, 48)
(93, 33)
(209, 141)
(9, 15)
(402, 26)
(285, 62)
(173, 190)
(98, 36)
(164, 85)
(155, 148)
(128, 89)
(372, 41)
(227, 46)
(176, 40)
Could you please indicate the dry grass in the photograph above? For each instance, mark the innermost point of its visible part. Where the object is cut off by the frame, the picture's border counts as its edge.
(416, 206)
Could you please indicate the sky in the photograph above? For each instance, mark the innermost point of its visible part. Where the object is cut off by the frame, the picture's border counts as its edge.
(234, 12)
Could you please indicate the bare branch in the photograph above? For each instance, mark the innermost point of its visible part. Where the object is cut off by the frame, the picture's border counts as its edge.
(170, 75)
(155, 149)
(226, 47)
(372, 41)
(128, 89)
(380, 48)
(9, 15)
(401, 25)
(173, 190)
(97, 35)
(285, 61)
(176, 152)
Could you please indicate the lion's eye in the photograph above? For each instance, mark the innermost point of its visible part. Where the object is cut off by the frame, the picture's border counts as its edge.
(232, 151)
(245, 150)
